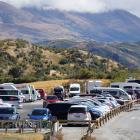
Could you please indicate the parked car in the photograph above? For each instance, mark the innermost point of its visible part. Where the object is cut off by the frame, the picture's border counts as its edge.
(40, 114)
(50, 99)
(95, 112)
(42, 93)
(15, 92)
(11, 114)
(60, 109)
(12, 99)
(2, 104)
(106, 102)
(119, 94)
(79, 113)
(59, 92)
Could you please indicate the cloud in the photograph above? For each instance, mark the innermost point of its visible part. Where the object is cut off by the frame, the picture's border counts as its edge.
(93, 6)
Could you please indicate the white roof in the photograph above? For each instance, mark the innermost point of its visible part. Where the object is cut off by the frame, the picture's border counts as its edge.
(75, 106)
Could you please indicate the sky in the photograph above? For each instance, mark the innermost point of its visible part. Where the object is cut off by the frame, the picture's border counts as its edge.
(91, 6)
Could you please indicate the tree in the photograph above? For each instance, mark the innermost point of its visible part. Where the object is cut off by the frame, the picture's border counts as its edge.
(15, 71)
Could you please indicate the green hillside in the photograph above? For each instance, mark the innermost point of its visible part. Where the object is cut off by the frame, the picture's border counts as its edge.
(24, 62)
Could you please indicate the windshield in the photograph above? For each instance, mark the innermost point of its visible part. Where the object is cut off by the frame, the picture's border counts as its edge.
(74, 89)
(7, 110)
(39, 112)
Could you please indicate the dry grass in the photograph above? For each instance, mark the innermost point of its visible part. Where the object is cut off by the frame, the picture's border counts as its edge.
(59, 136)
(14, 136)
(88, 138)
(48, 85)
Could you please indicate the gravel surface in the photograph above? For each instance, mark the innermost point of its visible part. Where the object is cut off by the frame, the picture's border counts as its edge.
(126, 126)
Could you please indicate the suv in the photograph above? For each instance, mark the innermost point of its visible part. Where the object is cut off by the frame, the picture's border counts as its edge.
(79, 113)
(60, 109)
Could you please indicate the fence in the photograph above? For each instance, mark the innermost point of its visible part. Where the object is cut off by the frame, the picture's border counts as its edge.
(22, 126)
(105, 118)
(92, 125)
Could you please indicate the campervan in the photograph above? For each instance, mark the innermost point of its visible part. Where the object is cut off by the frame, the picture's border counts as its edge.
(74, 89)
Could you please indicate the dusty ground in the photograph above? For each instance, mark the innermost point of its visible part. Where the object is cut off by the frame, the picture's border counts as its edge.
(126, 126)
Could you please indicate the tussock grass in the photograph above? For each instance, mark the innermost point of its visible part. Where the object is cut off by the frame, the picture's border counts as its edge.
(26, 136)
(59, 136)
(88, 138)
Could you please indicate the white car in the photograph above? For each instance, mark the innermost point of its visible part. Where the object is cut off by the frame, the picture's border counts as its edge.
(79, 113)
(2, 104)
(13, 100)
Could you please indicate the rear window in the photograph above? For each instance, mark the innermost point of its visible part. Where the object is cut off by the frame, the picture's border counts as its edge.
(77, 110)
(39, 112)
(8, 92)
(114, 86)
(9, 98)
(7, 110)
(52, 98)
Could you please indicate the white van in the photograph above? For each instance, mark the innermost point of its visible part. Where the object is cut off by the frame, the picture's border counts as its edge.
(74, 89)
(26, 91)
(116, 92)
(125, 85)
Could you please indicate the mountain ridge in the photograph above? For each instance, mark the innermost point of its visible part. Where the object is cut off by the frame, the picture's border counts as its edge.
(39, 24)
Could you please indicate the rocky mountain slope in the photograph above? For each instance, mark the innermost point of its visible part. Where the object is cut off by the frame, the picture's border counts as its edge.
(38, 24)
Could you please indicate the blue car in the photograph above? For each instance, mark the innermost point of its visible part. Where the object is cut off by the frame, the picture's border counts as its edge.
(40, 114)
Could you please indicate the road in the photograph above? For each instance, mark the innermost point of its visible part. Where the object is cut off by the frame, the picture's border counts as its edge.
(28, 107)
(125, 126)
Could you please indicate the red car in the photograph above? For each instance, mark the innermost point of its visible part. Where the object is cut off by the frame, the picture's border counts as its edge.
(50, 99)
(42, 93)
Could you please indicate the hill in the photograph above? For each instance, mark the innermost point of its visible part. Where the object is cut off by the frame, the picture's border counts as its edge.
(39, 24)
(127, 54)
(25, 62)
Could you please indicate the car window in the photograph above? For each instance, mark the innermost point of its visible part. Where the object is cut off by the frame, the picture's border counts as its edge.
(25, 91)
(74, 89)
(8, 92)
(9, 98)
(7, 110)
(39, 112)
(95, 91)
(52, 98)
(77, 110)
